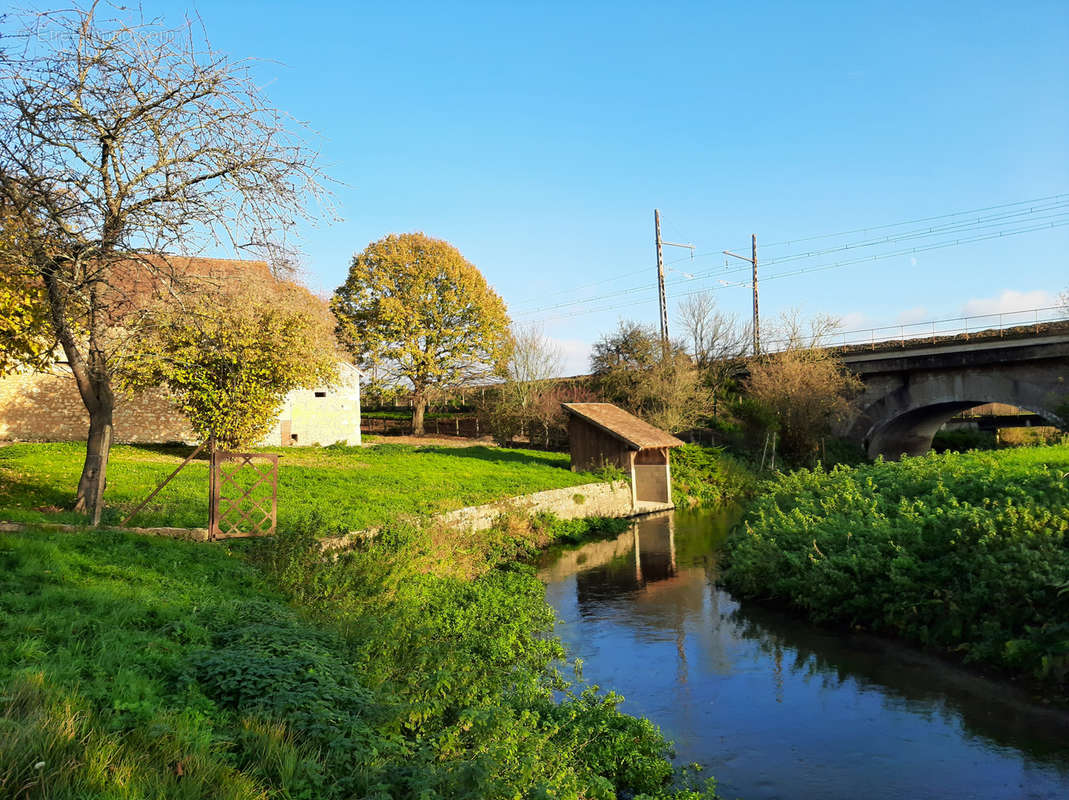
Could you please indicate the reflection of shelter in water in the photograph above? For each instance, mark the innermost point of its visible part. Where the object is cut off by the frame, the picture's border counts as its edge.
(601, 434)
(649, 557)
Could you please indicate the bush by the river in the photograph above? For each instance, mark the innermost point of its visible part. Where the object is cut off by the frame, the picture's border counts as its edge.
(967, 553)
(708, 476)
(418, 666)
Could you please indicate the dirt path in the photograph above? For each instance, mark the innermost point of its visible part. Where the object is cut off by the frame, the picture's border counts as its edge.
(431, 439)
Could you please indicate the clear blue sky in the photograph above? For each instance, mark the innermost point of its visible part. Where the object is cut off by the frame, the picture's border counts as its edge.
(538, 138)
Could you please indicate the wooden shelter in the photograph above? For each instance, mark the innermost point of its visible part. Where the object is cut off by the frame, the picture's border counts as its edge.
(601, 433)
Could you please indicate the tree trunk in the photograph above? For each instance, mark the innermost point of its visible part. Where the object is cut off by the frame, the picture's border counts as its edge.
(419, 408)
(94, 386)
(98, 445)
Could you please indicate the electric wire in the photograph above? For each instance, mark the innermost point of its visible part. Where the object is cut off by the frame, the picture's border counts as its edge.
(1056, 198)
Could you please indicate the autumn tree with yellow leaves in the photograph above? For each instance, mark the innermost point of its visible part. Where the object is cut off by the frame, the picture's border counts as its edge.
(416, 314)
(25, 331)
(230, 358)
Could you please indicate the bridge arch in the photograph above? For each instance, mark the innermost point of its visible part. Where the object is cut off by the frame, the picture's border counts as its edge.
(905, 420)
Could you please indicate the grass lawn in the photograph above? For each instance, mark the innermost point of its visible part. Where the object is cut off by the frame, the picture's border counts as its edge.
(139, 667)
(349, 487)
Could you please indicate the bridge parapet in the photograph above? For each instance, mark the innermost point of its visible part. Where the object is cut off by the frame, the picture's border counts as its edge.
(910, 391)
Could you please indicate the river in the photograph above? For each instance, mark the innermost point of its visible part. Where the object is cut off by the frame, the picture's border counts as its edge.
(776, 708)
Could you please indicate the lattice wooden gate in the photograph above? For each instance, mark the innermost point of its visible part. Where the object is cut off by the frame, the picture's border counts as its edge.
(244, 494)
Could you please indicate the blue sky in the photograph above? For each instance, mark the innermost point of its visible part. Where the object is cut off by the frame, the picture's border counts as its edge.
(539, 137)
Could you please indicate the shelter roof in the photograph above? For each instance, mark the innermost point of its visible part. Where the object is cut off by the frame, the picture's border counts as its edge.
(636, 433)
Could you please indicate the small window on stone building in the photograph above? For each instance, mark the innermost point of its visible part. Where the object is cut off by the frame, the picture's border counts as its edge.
(293, 437)
(321, 394)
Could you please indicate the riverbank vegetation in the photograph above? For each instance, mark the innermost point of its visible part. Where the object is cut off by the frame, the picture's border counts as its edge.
(349, 488)
(710, 477)
(144, 667)
(967, 553)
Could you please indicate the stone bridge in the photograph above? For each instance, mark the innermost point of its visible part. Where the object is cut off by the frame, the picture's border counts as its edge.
(913, 387)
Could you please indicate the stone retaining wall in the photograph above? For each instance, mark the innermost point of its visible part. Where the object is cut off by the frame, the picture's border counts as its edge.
(572, 502)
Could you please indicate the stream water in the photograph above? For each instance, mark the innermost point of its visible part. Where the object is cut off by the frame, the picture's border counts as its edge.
(776, 708)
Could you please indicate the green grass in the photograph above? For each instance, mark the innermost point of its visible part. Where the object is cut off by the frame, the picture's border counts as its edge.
(406, 414)
(349, 488)
(137, 667)
(968, 553)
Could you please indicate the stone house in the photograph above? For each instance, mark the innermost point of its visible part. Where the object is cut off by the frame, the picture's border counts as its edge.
(46, 406)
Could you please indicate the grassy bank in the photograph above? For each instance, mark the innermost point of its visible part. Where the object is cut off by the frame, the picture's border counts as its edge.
(141, 667)
(968, 553)
(348, 488)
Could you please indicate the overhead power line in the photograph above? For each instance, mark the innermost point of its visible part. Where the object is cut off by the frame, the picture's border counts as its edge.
(746, 284)
(1061, 199)
(1049, 220)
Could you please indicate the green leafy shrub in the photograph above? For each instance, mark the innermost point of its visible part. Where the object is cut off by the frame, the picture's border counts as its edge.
(708, 476)
(143, 667)
(964, 552)
(463, 668)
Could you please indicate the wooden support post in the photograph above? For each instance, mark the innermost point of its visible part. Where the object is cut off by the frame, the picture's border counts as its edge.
(213, 496)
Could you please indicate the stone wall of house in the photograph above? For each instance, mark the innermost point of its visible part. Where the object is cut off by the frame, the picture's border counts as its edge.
(47, 407)
(323, 416)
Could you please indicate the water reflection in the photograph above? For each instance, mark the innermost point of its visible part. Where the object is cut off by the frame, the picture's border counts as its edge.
(778, 708)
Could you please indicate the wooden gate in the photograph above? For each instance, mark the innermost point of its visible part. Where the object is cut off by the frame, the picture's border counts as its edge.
(244, 494)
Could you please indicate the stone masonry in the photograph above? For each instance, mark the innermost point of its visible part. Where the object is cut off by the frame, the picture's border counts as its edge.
(46, 407)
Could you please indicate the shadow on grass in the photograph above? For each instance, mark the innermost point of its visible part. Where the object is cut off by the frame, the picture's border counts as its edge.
(173, 449)
(498, 455)
(38, 498)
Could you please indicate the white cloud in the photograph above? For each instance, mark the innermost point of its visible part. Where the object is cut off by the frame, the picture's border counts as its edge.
(1008, 302)
(853, 321)
(912, 315)
(575, 355)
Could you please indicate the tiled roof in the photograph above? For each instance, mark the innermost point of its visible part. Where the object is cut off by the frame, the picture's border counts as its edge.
(624, 426)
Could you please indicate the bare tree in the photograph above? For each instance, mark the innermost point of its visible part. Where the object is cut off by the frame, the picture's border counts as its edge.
(633, 369)
(802, 384)
(524, 399)
(718, 341)
(713, 334)
(792, 331)
(122, 140)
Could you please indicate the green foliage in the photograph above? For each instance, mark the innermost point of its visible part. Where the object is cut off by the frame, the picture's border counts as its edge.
(413, 310)
(146, 667)
(468, 669)
(961, 440)
(967, 553)
(230, 358)
(26, 336)
(834, 450)
(351, 488)
(94, 689)
(707, 476)
(575, 531)
(633, 370)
